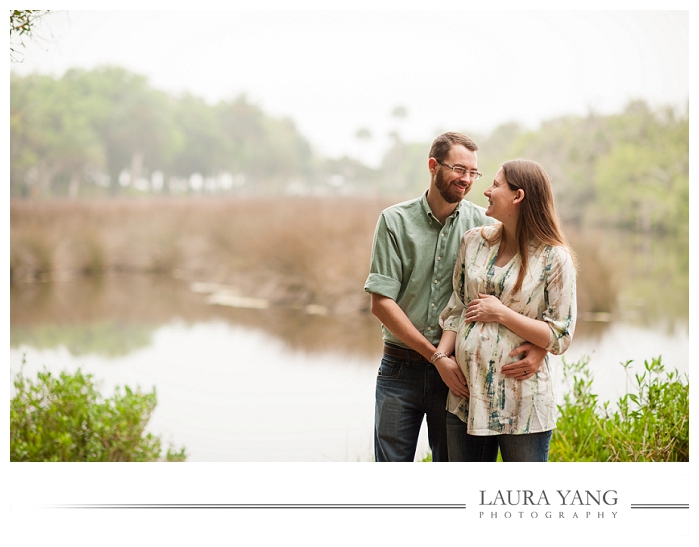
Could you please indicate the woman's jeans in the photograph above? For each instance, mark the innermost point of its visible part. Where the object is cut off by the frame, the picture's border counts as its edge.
(529, 447)
(406, 391)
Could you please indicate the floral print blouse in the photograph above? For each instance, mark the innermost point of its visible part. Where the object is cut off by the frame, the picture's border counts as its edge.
(498, 404)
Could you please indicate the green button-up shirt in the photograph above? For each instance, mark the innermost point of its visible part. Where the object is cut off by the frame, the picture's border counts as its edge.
(412, 261)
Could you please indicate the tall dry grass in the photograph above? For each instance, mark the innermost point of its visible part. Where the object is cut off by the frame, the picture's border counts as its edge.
(601, 273)
(292, 251)
(289, 250)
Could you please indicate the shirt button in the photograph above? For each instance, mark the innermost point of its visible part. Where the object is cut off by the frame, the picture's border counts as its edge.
(433, 304)
(441, 235)
(439, 258)
(429, 328)
(435, 281)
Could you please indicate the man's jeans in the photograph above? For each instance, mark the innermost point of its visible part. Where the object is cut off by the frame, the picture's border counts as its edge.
(406, 390)
(530, 447)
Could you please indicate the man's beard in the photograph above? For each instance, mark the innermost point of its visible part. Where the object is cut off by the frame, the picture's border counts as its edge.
(446, 190)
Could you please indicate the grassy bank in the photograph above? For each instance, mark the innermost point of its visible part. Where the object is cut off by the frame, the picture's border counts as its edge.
(648, 424)
(64, 418)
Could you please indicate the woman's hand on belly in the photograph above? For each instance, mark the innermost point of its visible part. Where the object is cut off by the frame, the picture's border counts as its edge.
(486, 309)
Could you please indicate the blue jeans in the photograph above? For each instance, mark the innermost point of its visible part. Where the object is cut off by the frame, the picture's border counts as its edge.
(529, 447)
(406, 391)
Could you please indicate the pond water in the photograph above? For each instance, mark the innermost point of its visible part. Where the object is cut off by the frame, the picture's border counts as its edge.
(231, 391)
(258, 385)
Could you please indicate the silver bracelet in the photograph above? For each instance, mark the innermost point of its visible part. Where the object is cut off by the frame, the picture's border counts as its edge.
(436, 356)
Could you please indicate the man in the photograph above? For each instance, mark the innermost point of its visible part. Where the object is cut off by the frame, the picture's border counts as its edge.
(410, 282)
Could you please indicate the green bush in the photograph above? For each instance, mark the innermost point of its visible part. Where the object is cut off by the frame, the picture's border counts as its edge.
(66, 419)
(651, 424)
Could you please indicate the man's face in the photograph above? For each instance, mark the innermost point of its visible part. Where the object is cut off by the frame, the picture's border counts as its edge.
(452, 187)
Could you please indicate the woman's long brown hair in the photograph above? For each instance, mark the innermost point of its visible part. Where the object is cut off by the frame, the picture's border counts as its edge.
(538, 221)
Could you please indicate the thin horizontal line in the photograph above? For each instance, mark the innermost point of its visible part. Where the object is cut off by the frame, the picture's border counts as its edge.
(659, 506)
(258, 506)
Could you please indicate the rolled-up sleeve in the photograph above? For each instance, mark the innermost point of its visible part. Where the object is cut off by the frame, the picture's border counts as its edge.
(385, 271)
(560, 298)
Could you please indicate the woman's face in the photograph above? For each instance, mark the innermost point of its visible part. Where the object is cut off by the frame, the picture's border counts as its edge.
(501, 199)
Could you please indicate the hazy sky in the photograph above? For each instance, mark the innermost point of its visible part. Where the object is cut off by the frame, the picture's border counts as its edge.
(334, 72)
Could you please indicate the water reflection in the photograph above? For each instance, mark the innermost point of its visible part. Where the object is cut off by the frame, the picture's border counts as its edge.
(116, 315)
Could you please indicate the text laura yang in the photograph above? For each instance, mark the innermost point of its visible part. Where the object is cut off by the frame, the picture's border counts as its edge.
(555, 497)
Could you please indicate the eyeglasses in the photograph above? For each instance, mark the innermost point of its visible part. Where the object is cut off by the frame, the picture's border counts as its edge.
(461, 171)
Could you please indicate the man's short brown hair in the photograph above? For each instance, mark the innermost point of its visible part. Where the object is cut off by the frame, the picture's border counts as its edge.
(442, 144)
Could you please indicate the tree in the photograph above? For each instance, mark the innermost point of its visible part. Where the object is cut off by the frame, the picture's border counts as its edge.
(399, 112)
(399, 115)
(22, 24)
(203, 147)
(363, 134)
(404, 167)
(269, 151)
(51, 135)
(134, 122)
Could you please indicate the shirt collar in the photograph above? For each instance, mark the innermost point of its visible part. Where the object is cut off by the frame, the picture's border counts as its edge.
(428, 211)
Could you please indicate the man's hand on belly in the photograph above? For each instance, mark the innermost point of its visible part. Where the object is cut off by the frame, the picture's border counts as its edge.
(530, 363)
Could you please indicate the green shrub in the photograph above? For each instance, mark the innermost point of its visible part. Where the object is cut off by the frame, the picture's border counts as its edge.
(66, 419)
(650, 424)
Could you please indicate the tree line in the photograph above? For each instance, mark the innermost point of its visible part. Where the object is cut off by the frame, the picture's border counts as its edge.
(628, 170)
(108, 132)
(103, 125)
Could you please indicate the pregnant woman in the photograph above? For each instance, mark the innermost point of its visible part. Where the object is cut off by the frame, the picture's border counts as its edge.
(513, 282)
